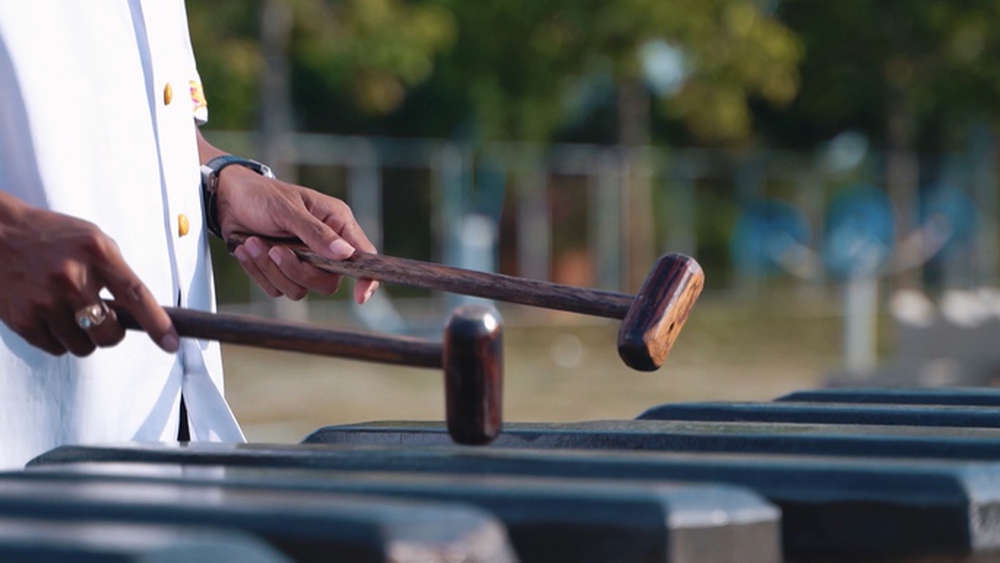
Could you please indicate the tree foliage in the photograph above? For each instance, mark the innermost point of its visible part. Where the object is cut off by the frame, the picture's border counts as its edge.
(520, 60)
(512, 64)
(924, 63)
(513, 69)
(367, 51)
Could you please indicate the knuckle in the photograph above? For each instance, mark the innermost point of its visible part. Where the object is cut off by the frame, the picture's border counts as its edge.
(317, 229)
(340, 207)
(132, 292)
(95, 243)
(67, 275)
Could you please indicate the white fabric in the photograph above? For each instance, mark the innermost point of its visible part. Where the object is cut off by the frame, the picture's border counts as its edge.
(85, 130)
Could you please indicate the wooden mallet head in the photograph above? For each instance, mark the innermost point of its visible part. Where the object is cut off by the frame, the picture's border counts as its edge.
(472, 355)
(658, 311)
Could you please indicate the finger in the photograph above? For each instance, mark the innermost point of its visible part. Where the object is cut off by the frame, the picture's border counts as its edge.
(135, 297)
(351, 232)
(254, 272)
(108, 332)
(321, 237)
(364, 289)
(42, 338)
(70, 335)
(258, 255)
(303, 273)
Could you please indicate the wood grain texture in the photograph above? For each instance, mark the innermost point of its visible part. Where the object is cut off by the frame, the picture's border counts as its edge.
(297, 337)
(661, 308)
(510, 289)
(652, 320)
(473, 374)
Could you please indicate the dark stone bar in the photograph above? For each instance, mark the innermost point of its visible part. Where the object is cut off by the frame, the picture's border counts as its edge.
(311, 526)
(957, 396)
(547, 519)
(833, 509)
(696, 436)
(118, 542)
(829, 413)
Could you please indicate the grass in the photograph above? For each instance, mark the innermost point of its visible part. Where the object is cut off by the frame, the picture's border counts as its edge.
(558, 367)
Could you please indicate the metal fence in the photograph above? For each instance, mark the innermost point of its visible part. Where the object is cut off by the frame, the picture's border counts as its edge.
(756, 220)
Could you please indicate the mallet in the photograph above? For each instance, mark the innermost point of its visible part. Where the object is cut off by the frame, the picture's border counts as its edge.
(471, 355)
(652, 319)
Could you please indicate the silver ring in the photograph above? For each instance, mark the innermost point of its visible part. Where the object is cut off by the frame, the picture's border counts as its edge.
(91, 315)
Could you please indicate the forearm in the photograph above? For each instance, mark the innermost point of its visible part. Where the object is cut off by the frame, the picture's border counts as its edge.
(207, 151)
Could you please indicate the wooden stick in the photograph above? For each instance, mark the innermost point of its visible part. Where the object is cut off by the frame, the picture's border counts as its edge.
(297, 337)
(500, 287)
(652, 319)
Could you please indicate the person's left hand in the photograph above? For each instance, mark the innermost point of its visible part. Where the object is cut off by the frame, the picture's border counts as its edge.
(250, 203)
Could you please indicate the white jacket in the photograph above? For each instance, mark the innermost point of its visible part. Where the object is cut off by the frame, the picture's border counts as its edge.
(98, 101)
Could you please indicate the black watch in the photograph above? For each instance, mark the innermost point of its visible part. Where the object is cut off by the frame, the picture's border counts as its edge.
(210, 185)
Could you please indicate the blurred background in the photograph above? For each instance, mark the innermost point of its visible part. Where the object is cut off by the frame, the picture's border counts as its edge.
(831, 165)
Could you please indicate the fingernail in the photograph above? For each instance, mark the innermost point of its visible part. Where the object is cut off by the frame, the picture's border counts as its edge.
(170, 343)
(275, 255)
(240, 254)
(340, 249)
(371, 291)
(255, 247)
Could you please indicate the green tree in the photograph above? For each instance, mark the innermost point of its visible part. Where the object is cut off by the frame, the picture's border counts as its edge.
(911, 75)
(499, 69)
(521, 60)
(369, 52)
(892, 69)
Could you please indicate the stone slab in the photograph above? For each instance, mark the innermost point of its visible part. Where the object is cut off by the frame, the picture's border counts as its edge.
(958, 396)
(829, 413)
(309, 526)
(90, 542)
(547, 519)
(695, 436)
(846, 509)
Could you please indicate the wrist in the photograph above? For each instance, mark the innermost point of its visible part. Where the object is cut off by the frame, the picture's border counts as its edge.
(210, 176)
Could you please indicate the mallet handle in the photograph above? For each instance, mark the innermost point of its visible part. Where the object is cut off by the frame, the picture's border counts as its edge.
(296, 337)
(500, 287)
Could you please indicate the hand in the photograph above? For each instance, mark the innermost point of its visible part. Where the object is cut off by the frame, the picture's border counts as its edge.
(250, 203)
(54, 265)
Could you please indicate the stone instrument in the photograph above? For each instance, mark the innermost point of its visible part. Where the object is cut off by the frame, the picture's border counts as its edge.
(832, 508)
(617, 490)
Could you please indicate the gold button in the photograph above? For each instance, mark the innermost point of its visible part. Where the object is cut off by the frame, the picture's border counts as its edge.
(183, 226)
(168, 94)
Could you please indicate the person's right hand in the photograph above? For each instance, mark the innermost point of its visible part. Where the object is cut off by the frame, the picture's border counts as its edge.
(52, 266)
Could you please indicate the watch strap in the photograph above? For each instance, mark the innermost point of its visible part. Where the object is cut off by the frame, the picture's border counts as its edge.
(210, 185)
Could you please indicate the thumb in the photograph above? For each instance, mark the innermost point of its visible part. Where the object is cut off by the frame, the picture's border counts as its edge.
(322, 239)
